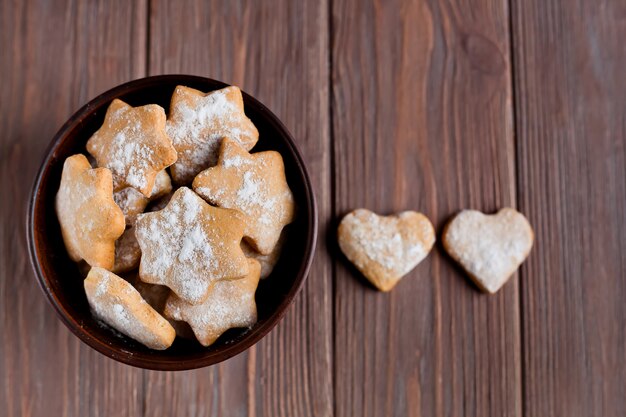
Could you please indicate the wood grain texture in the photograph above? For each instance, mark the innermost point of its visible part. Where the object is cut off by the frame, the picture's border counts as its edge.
(422, 120)
(276, 51)
(54, 58)
(420, 116)
(571, 140)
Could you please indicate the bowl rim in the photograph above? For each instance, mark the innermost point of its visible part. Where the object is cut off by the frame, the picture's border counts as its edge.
(228, 350)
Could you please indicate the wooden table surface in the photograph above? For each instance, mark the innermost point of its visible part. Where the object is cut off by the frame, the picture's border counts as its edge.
(430, 105)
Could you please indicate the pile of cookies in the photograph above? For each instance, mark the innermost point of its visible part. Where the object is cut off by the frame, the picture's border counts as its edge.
(172, 219)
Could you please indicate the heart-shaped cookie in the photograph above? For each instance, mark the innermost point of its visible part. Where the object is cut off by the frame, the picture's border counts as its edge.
(489, 247)
(383, 248)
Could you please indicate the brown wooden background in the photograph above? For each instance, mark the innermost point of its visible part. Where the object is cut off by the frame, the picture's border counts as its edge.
(432, 105)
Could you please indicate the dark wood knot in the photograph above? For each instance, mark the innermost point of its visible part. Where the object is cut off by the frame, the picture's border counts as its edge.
(483, 54)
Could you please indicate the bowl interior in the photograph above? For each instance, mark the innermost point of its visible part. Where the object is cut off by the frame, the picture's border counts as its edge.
(60, 278)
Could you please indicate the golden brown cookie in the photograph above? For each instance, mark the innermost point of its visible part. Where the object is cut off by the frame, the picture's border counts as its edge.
(118, 304)
(90, 220)
(162, 186)
(133, 144)
(190, 245)
(132, 203)
(383, 248)
(268, 262)
(229, 304)
(254, 184)
(197, 123)
(489, 247)
(127, 252)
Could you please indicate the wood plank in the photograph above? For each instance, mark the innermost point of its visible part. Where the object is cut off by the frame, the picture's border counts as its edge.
(55, 57)
(422, 120)
(276, 51)
(571, 136)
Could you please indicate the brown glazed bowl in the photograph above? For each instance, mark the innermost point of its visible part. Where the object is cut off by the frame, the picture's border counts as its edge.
(62, 283)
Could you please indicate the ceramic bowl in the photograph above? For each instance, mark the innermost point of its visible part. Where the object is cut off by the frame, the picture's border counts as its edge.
(62, 282)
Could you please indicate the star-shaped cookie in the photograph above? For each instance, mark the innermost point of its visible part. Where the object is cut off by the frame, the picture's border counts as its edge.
(90, 220)
(189, 245)
(133, 144)
(197, 123)
(229, 304)
(254, 184)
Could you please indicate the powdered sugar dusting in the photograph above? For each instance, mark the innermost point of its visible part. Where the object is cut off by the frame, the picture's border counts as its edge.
(213, 110)
(178, 249)
(120, 315)
(120, 306)
(229, 304)
(191, 208)
(132, 145)
(102, 286)
(129, 154)
(235, 161)
(397, 244)
(490, 248)
(380, 242)
(251, 191)
(197, 125)
(194, 241)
